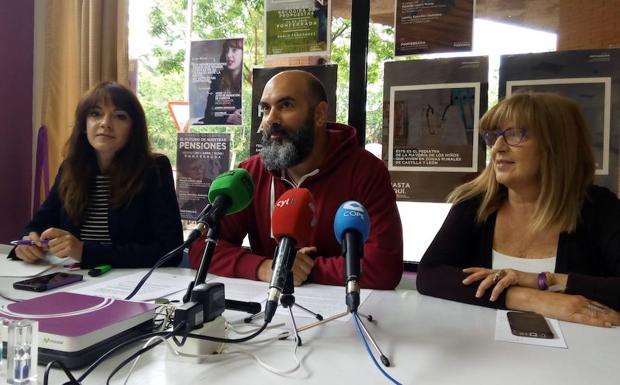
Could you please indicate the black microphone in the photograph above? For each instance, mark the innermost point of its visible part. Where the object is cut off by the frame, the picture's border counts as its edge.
(291, 224)
(351, 227)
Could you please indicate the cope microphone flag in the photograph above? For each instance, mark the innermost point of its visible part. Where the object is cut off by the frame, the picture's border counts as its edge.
(351, 227)
(292, 221)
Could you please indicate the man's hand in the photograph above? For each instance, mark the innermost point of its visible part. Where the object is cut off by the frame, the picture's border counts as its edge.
(264, 270)
(302, 267)
(63, 244)
(31, 254)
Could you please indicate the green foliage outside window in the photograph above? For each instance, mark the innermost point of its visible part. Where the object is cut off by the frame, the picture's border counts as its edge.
(161, 73)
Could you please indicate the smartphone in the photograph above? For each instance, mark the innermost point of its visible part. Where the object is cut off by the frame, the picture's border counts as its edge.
(528, 324)
(47, 282)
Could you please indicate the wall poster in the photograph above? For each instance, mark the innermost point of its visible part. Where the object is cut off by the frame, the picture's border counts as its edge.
(423, 26)
(588, 78)
(200, 158)
(297, 27)
(215, 79)
(430, 132)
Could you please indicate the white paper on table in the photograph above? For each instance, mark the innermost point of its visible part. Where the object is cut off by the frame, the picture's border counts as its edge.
(239, 289)
(322, 299)
(503, 333)
(158, 285)
(11, 268)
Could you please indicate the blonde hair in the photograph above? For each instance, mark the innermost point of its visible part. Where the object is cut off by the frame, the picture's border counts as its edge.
(567, 162)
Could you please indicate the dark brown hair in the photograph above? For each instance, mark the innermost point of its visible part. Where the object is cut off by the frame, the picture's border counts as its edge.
(228, 83)
(129, 164)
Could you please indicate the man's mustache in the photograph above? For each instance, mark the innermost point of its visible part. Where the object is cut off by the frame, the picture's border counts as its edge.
(275, 129)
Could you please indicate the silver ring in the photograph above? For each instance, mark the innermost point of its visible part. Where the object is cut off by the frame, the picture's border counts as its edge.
(497, 276)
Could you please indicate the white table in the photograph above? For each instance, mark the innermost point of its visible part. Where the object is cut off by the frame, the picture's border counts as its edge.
(428, 340)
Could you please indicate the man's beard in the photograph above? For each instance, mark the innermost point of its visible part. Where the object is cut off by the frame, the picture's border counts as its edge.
(292, 149)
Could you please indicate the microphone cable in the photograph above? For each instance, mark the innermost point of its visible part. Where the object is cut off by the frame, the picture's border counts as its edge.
(229, 340)
(224, 355)
(145, 349)
(157, 264)
(98, 361)
(374, 360)
(161, 339)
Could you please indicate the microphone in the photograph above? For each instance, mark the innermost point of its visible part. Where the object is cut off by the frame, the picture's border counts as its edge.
(230, 192)
(351, 227)
(292, 221)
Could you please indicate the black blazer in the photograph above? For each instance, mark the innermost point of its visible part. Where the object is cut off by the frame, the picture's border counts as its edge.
(141, 232)
(590, 255)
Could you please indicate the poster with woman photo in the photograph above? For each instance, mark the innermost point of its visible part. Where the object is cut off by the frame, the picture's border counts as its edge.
(215, 80)
(200, 158)
(430, 125)
(297, 27)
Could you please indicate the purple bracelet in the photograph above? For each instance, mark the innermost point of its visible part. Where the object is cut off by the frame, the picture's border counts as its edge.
(542, 281)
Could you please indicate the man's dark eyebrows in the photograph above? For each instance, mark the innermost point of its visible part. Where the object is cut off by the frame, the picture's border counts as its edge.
(286, 99)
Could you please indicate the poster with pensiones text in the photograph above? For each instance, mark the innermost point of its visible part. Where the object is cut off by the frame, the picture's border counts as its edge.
(201, 157)
(431, 110)
(590, 79)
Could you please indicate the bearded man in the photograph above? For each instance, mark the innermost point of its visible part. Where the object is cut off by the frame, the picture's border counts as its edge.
(301, 149)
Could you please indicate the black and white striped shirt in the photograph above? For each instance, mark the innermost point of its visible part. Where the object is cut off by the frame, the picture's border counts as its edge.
(95, 224)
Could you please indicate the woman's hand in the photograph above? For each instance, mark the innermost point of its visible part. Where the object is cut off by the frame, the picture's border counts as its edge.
(234, 118)
(564, 307)
(500, 279)
(63, 244)
(31, 254)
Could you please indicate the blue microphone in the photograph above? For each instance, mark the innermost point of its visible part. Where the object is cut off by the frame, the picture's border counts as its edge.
(351, 227)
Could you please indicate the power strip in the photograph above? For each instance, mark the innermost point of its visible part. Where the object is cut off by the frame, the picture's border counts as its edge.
(195, 346)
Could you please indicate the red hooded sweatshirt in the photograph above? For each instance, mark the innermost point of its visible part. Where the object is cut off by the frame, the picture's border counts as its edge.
(348, 173)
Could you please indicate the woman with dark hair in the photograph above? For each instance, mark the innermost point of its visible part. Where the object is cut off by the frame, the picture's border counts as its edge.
(113, 201)
(531, 232)
(224, 98)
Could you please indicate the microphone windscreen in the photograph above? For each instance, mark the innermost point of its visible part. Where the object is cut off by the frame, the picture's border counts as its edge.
(236, 185)
(294, 216)
(351, 215)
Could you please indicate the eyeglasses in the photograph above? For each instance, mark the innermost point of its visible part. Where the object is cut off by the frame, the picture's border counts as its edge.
(512, 136)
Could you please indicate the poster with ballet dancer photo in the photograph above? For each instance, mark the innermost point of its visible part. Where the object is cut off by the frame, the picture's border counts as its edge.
(436, 128)
(430, 127)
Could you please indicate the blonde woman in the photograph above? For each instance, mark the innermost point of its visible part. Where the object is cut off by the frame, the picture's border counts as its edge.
(531, 232)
